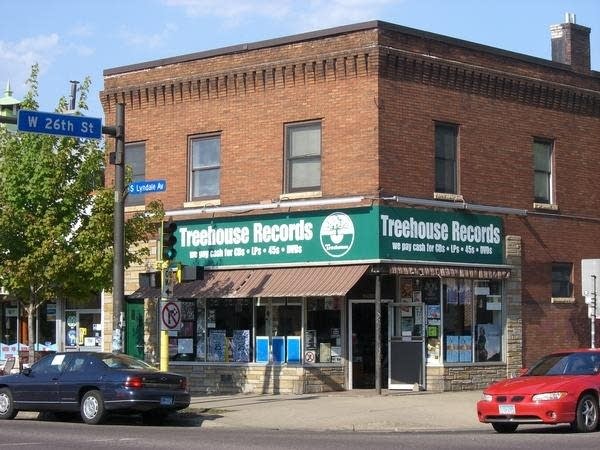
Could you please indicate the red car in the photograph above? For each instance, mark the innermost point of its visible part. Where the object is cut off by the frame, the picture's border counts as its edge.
(562, 387)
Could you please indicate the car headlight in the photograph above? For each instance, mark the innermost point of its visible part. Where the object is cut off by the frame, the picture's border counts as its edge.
(487, 397)
(548, 396)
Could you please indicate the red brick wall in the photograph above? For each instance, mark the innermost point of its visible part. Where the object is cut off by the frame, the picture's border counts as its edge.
(378, 106)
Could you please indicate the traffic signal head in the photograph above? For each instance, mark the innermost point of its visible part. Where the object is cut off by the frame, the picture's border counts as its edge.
(169, 241)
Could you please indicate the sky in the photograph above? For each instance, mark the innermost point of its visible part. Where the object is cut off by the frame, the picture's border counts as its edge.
(75, 39)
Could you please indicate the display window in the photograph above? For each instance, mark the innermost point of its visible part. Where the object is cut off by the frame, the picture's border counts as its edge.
(322, 336)
(472, 318)
(259, 330)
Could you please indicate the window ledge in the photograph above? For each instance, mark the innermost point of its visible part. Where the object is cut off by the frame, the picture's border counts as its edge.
(448, 197)
(296, 195)
(563, 300)
(202, 203)
(546, 206)
(136, 208)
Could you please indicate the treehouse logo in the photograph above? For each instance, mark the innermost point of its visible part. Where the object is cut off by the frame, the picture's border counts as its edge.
(337, 234)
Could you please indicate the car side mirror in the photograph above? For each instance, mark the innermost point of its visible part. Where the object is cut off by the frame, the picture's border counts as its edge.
(26, 371)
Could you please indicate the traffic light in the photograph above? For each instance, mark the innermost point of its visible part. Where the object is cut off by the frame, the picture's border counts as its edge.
(169, 240)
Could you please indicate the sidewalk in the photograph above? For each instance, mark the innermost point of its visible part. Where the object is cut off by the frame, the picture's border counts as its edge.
(349, 410)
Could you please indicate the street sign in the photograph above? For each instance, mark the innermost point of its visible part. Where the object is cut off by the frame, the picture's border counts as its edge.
(144, 187)
(59, 124)
(170, 314)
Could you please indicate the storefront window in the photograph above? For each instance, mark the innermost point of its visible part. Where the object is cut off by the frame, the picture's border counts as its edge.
(322, 337)
(472, 320)
(215, 330)
(430, 293)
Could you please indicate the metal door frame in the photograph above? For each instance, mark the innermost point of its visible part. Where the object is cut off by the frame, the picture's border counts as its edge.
(405, 386)
(352, 302)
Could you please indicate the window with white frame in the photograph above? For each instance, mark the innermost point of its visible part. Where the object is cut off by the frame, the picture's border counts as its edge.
(303, 157)
(135, 162)
(446, 152)
(205, 166)
(542, 161)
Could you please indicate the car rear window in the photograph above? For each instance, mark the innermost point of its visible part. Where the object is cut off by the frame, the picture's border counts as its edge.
(125, 362)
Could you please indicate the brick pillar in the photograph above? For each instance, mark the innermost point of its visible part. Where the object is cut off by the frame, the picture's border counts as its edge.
(512, 294)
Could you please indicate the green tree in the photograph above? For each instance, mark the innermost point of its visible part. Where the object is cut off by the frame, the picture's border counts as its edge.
(56, 215)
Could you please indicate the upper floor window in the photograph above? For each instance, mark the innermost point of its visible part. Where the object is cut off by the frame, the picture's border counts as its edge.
(542, 161)
(303, 157)
(562, 285)
(205, 162)
(446, 147)
(135, 160)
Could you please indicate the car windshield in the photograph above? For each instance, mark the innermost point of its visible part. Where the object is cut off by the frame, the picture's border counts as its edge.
(125, 362)
(579, 363)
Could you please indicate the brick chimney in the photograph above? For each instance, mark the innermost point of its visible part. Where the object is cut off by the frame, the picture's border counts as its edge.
(571, 44)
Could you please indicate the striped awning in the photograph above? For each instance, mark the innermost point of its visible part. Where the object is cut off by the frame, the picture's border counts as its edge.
(277, 282)
(496, 273)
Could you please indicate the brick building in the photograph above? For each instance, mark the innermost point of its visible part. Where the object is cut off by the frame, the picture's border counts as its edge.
(321, 177)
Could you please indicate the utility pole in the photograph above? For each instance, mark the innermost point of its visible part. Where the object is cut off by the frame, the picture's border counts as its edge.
(118, 230)
(593, 318)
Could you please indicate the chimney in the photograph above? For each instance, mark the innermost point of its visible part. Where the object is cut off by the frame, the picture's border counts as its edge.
(571, 44)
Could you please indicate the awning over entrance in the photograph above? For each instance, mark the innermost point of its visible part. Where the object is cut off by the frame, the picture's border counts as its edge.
(145, 292)
(280, 282)
(451, 271)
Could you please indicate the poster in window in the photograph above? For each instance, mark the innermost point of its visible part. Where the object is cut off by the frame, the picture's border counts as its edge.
(451, 292)
(434, 312)
(431, 290)
(216, 345)
(417, 296)
(211, 321)
(493, 303)
(406, 290)
(465, 348)
(481, 287)
(310, 338)
(172, 346)
(325, 352)
(432, 331)
(336, 354)
(185, 346)
(293, 349)
(241, 345)
(407, 326)
(451, 349)
(418, 315)
(488, 343)
(187, 329)
(406, 311)
(188, 310)
(464, 294)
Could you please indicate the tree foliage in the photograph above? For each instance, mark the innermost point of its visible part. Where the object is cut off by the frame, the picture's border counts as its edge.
(56, 215)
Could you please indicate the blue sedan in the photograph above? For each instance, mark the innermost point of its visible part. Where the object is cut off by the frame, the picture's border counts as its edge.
(93, 384)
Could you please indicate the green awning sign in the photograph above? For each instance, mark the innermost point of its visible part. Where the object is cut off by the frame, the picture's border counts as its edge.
(367, 234)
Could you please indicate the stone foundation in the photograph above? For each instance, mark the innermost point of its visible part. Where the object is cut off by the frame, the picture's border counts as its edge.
(212, 379)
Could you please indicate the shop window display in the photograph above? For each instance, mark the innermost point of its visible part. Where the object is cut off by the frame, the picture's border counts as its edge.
(322, 336)
(472, 320)
(213, 330)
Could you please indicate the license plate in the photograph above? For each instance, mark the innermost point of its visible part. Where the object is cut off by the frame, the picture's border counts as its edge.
(507, 410)
(166, 401)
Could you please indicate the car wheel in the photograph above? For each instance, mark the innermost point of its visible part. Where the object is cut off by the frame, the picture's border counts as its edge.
(7, 407)
(92, 408)
(586, 415)
(505, 427)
